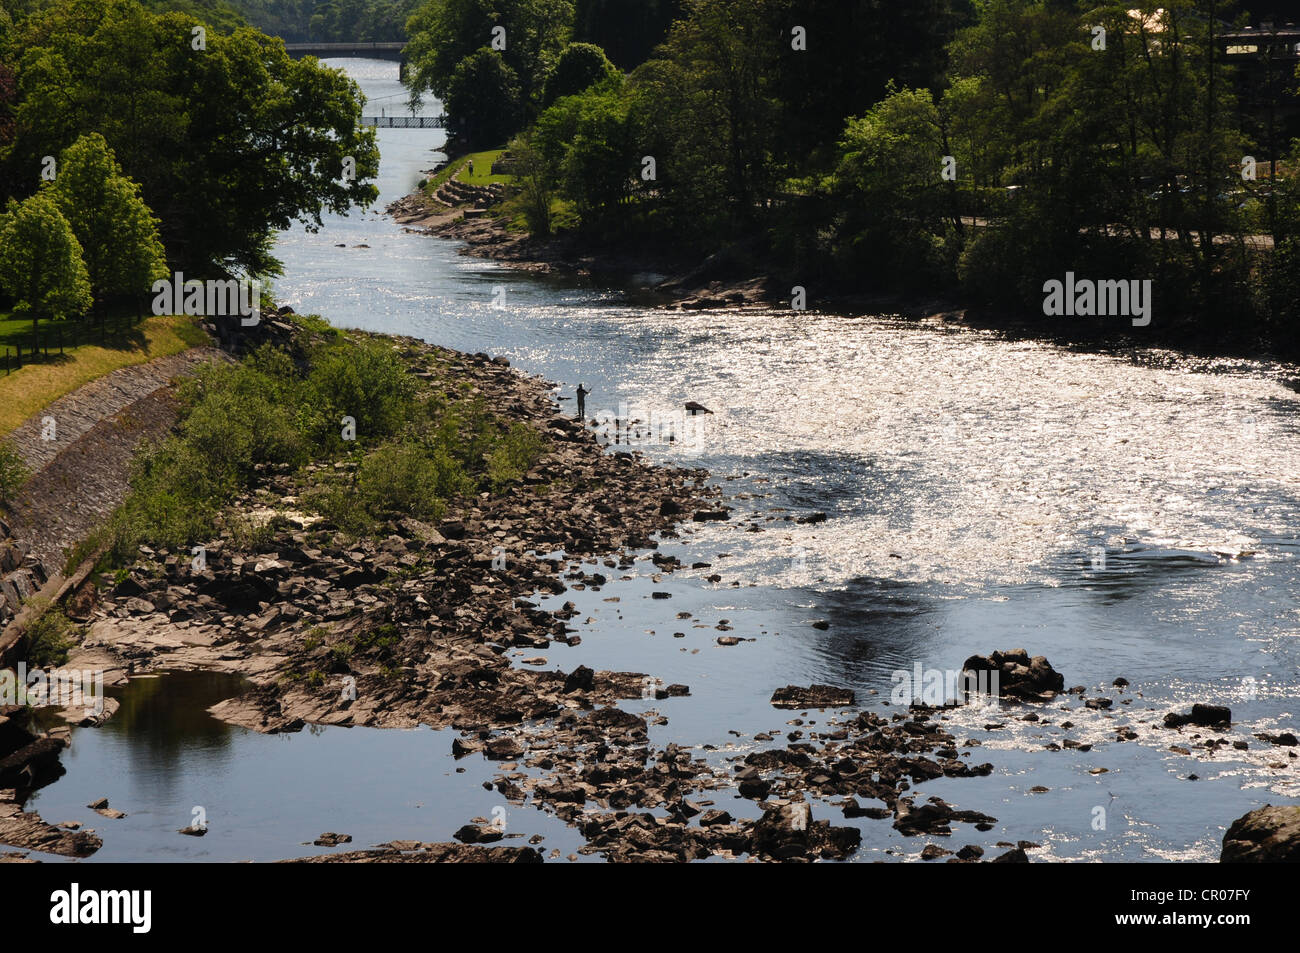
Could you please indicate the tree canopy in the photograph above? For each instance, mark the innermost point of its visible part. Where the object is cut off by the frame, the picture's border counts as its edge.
(229, 142)
(40, 260)
(117, 232)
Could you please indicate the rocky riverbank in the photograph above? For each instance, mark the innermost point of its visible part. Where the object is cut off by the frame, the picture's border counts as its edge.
(745, 275)
(459, 624)
(417, 625)
(677, 282)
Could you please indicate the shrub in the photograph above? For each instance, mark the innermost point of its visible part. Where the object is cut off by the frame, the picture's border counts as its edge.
(50, 636)
(13, 474)
(515, 454)
(363, 381)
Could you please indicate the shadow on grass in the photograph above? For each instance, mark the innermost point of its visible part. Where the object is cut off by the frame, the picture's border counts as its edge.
(57, 345)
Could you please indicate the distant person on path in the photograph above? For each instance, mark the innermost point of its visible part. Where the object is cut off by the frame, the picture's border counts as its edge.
(582, 402)
(471, 168)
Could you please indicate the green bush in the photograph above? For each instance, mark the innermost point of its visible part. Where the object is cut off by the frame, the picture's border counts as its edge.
(49, 637)
(13, 474)
(515, 454)
(366, 382)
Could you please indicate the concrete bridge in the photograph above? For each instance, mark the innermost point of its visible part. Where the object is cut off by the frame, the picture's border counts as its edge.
(374, 51)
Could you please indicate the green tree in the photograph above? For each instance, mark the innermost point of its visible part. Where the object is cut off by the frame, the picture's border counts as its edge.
(228, 143)
(446, 32)
(483, 100)
(895, 204)
(40, 260)
(117, 232)
(581, 66)
(626, 32)
(588, 142)
(706, 111)
(853, 50)
(534, 181)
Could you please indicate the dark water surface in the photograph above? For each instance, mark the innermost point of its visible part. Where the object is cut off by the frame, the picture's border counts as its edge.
(1124, 516)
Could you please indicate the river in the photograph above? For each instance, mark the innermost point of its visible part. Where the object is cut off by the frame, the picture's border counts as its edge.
(1132, 515)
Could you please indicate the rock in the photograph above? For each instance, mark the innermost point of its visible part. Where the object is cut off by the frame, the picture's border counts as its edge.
(99, 804)
(1205, 716)
(729, 640)
(788, 832)
(812, 518)
(193, 831)
(503, 749)
(417, 853)
(1019, 676)
(1014, 856)
(452, 529)
(1270, 834)
(755, 788)
(704, 516)
(970, 852)
(581, 679)
(330, 839)
(782, 832)
(460, 748)
(478, 834)
(814, 696)
(563, 792)
(933, 852)
(1286, 739)
(130, 586)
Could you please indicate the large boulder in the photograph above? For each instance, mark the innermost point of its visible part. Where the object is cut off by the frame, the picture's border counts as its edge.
(1018, 675)
(1204, 716)
(1269, 835)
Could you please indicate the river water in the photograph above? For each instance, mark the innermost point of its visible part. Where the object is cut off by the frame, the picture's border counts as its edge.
(1133, 515)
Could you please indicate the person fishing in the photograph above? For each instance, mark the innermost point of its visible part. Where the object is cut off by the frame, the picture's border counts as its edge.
(582, 402)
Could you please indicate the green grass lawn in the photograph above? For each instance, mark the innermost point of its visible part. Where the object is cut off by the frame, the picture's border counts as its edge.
(16, 331)
(26, 390)
(459, 169)
(483, 169)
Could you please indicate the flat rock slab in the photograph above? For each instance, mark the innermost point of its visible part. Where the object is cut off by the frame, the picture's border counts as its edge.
(813, 696)
(28, 832)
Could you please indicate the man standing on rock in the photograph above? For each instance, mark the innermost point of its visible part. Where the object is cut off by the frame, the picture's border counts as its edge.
(582, 402)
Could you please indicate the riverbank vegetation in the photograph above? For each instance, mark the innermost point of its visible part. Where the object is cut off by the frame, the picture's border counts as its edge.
(976, 150)
(366, 440)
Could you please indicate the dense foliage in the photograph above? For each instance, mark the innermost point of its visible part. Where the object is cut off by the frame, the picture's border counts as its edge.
(228, 138)
(981, 147)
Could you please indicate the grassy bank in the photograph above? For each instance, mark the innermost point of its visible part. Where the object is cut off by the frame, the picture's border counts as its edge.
(357, 439)
(26, 390)
(458, 169)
